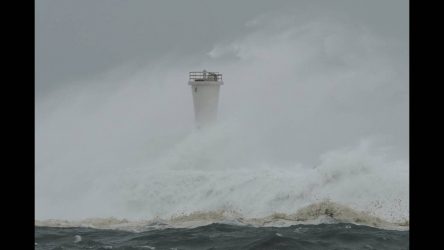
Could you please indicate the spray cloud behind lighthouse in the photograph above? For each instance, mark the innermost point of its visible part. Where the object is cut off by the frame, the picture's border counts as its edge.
(121, 145)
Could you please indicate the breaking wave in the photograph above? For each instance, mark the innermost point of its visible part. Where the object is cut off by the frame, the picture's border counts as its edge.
(196, 183)
(325, 212)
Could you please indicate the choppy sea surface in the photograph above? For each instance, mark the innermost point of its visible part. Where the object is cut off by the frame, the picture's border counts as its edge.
(324, 225)
(224, 236)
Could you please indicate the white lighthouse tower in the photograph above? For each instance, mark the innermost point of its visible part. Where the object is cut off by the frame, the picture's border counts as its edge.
(205, 89)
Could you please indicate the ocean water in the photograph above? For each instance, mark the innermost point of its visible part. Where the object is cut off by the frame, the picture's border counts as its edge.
(324, 225)
(225, 236)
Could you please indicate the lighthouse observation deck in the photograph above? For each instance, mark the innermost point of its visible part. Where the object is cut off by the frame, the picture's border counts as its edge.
(205, 76)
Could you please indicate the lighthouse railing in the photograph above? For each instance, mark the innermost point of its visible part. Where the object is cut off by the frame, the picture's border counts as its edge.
(205, 76)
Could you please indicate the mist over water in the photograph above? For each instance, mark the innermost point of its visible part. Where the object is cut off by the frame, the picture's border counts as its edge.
(309, 111)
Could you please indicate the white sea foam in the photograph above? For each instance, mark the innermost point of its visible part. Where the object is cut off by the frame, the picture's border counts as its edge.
(77, 238)
(197, 175)
(149, 247)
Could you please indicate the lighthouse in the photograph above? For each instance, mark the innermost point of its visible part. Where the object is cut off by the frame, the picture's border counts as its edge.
(205, 90)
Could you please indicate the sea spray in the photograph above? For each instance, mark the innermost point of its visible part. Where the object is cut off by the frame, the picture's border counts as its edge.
(288, 136)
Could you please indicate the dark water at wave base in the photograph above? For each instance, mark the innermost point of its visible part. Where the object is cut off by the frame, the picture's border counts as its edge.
(222, 236)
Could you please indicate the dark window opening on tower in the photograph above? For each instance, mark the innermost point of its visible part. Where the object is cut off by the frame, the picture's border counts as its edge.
(195, 89)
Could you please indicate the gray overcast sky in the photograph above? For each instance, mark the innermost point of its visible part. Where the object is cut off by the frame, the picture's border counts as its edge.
(76, 39)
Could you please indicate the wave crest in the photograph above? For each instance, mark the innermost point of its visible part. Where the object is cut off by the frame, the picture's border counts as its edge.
(316, 213)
